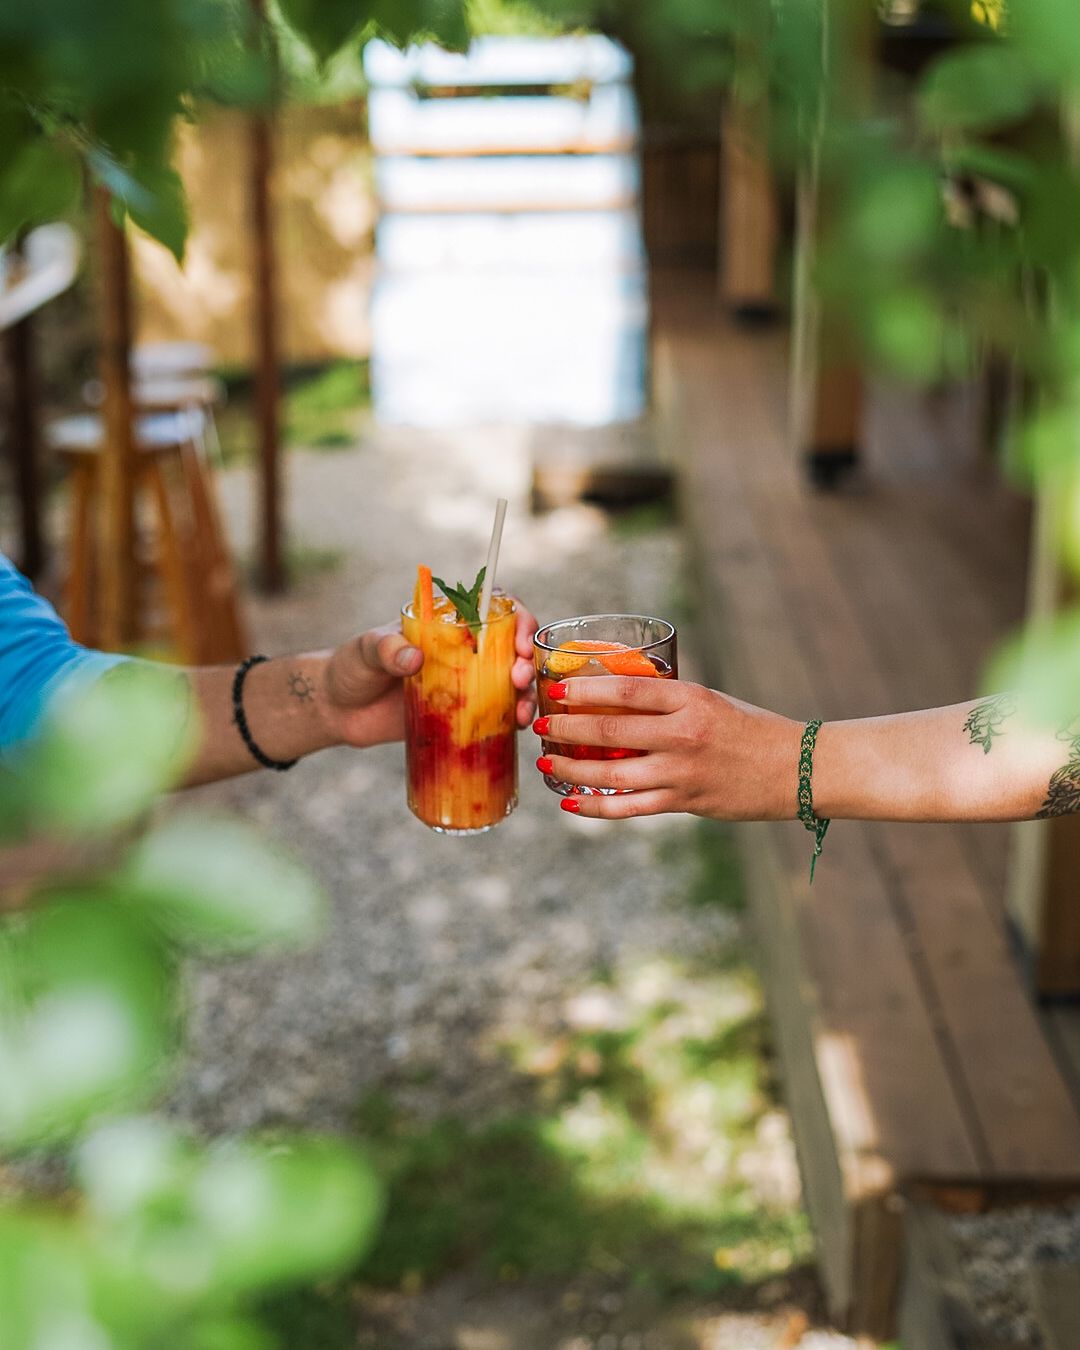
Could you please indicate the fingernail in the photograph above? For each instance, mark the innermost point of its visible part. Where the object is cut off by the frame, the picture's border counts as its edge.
(557, 691)
(542, 726)
(405, 658)
(571, 804)
(544, 764)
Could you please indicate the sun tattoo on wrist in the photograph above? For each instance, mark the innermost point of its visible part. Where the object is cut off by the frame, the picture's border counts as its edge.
(301, 687)
(1063, 791)
(985, 720)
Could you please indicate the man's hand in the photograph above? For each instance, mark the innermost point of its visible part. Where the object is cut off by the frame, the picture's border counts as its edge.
(705, 753)
(362, 700)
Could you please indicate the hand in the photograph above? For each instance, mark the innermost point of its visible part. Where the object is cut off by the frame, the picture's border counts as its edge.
(362, 689)
(705, 753)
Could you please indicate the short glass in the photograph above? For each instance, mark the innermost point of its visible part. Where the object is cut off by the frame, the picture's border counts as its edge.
(460, 720)
(655, 640)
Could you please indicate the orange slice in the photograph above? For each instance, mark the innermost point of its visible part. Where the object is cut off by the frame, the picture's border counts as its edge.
(615, 656)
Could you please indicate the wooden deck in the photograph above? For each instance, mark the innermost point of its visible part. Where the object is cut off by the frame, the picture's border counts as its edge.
(911, 1053)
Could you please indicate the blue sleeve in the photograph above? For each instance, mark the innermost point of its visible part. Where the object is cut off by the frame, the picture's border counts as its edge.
(37, 656)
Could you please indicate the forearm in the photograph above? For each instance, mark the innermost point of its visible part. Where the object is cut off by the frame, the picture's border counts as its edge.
(283, 702)
(970, 762)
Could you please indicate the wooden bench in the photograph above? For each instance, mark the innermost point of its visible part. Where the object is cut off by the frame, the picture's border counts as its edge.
(910, 1051)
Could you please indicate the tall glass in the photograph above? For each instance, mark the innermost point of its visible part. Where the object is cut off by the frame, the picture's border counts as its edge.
(460, 726)
(606, 644)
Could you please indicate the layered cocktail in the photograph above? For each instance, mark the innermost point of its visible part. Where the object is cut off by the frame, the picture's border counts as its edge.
(460, 727)
(598, 644)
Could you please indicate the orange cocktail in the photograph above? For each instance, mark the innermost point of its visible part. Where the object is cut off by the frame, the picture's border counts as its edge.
(635, 645)
(460, 727)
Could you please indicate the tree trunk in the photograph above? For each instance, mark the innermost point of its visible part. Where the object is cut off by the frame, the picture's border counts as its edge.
(267, 375)
(117, 568)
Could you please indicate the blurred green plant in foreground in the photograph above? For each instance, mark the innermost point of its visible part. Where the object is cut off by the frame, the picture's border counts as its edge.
(156, 1239)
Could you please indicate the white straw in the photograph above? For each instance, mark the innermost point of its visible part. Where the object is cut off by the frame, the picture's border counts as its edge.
(492, 559)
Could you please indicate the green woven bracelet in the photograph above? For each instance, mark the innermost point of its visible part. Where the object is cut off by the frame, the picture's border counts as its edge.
(816, 827)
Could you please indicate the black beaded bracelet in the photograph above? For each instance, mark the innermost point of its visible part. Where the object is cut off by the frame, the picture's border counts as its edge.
(239, 717)
(816, 826)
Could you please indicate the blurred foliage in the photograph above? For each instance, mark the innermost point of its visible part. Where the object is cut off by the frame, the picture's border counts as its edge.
(158, 1240)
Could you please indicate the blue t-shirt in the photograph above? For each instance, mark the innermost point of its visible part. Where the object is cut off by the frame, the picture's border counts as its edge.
(37, 656)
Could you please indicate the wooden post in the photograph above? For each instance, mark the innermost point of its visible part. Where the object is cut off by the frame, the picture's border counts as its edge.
(267, 374)
(826, 386)
(117, 567)
(1045, 862)
(23, 443)
(748, 214)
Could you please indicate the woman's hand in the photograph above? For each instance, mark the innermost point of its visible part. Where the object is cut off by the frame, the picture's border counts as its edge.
(705, 753)
(362, 692)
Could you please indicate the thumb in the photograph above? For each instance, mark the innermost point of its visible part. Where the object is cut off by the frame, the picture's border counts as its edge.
(386, 650)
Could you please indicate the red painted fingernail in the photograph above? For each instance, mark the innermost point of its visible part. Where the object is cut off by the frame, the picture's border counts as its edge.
(571, 804)
(557, 691)
(542, 725)
(544, 764)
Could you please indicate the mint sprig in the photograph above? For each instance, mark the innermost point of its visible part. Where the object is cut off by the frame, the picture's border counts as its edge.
(466, 602)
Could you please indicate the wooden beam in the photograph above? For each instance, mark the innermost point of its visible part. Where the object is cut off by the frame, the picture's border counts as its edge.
(23, 442)
(267, 362)
(748, 213)
(117, 568)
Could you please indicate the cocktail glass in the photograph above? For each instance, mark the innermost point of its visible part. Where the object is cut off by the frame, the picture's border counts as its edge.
(460, 727)
(636, 642)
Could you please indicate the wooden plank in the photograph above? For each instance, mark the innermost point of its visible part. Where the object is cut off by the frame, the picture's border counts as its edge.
(1056, 1294)
(1001, 1061)
(500, 61)
(875, 999)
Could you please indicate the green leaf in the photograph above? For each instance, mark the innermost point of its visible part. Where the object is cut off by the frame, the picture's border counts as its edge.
(86, 1018)
(897, 212)
(46, 1282)
(1043, 665)
(909, 334)
(164, 216)
(233, 1218)
(108, 750)
(982, 86)
(41, 182)
(288, 1211)
(217, 883)
(466, 602)
(325, 25)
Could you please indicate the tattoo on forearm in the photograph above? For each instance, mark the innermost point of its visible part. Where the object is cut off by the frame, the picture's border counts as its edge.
(985, 720)
(1063, 792)
(301, 687)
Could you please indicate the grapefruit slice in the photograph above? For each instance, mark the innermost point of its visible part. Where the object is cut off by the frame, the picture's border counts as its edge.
(616, 657)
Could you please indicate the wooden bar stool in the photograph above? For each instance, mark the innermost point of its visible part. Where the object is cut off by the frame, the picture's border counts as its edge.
(188, 593)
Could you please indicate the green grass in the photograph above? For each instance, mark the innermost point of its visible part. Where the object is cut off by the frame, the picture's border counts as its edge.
(320, 411)
(716, 879)
(302, 562)
(615, 1166)
(637, 520)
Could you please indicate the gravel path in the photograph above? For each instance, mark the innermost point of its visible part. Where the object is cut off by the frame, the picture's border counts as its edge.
(437, 948)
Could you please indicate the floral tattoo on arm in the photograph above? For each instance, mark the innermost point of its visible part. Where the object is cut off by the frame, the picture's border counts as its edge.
(1063, 792)
(984, 721)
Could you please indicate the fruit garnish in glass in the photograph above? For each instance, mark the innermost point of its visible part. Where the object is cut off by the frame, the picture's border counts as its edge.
(460, 725)
(599, 644)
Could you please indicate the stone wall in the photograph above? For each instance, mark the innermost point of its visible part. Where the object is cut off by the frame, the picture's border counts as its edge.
(325, 222)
